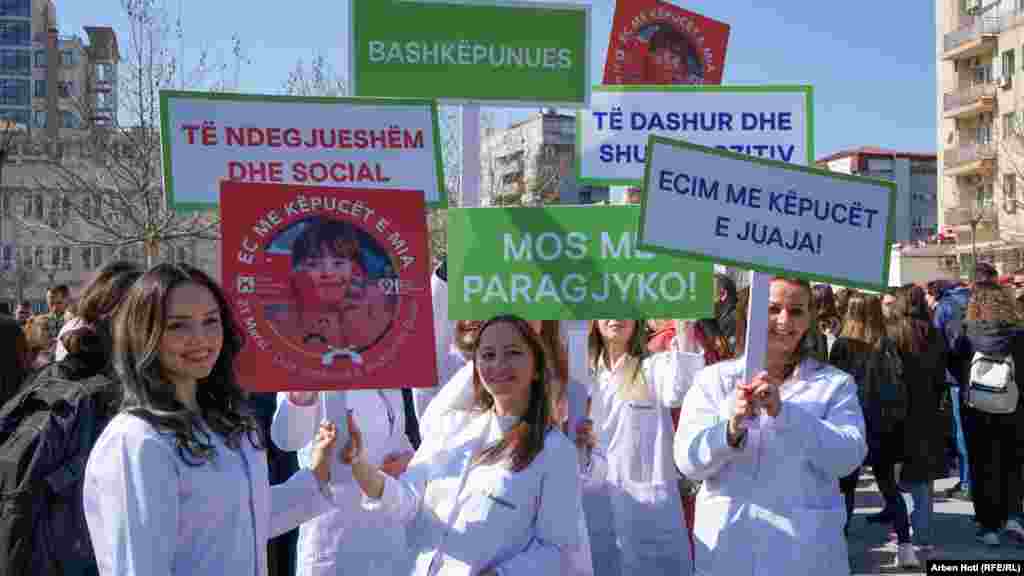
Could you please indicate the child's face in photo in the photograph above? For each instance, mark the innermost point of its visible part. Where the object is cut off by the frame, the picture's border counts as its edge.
(330, 274)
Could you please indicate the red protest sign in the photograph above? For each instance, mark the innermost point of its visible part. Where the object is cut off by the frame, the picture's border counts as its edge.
(653, 42)
(329, 286)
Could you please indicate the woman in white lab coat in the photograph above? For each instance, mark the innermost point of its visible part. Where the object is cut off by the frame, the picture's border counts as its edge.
(493, 489)
(771, 451)
(568, 406)
(348, 539)
(632, 500)
(177, 482)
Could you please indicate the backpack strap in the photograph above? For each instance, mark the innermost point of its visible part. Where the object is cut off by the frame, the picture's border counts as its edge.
(74, 469)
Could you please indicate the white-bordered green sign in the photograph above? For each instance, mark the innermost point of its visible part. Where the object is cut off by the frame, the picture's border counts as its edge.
(775, 217)
(378, 143)
(498, 52)
(772, 122)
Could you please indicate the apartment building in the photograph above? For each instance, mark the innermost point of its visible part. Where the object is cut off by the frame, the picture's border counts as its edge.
(980, 46)
(533, 162)
(916, 179)
(52, 88)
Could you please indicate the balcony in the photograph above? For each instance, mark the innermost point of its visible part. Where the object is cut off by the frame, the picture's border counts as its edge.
(961, 217)
(978, 35)
(971, 101)
(969, 159)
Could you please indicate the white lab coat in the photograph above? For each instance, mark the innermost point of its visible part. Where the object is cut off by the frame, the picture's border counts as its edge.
(632, 500)
(772, 506)
(449, 359)
(348, 539)
(151, 514)
(464, 519)
(457, 395)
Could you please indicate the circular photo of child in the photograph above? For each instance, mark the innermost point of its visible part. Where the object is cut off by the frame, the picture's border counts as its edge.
(670, 56)
(338, 307)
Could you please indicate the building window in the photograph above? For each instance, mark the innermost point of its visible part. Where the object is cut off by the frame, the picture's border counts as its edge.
(40, 89)
(26, 257)
(39, 118)
(66, 89)
(40, 59)
(13, 92)
(69, 119)
(1009, 125)
(68, 58)
(104, 72)
(40, 257)
(15, 33)
(15, 62)
(92, 257)
(983, 133)
(104, 100)
(53, 214)
(1010, 193)
(18, 8)
(1009, 65)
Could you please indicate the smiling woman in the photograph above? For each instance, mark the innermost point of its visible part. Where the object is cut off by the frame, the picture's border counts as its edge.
(156, 478)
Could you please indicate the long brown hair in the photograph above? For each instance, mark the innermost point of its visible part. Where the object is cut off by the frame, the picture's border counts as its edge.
(909, 333)
(864, 320)
(526, 439)
(558, 360)
(139, 326)
(991, 302)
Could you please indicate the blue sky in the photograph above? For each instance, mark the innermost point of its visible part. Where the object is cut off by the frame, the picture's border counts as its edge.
(872, 63)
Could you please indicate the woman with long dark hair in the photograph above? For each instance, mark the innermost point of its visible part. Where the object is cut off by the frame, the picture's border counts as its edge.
(770, 451)
(922, 350)
(493, 488)
(178, 481)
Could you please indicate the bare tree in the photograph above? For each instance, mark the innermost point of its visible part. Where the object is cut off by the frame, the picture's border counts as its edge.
(318, 79)
(110, 174)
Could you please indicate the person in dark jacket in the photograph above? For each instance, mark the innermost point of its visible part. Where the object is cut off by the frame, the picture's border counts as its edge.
(946, 302)
(922, 351)
(862, 350)
(993, 440)
(14, 357)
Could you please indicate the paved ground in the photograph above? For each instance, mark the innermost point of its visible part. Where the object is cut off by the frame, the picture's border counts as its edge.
(953, 534)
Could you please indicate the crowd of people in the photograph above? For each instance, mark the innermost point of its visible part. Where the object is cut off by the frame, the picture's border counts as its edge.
(661, 457)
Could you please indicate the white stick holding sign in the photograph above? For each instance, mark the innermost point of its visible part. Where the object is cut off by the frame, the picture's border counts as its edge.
(470, 185)
(756, 346)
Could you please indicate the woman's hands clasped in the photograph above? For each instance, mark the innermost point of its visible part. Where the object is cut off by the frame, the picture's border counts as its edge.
(761, 393)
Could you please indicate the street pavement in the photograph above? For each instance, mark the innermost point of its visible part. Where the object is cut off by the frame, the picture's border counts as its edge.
(873, 550)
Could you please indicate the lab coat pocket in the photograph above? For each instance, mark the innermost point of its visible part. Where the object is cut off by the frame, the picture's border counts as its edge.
(711, 519)
(818, 545)
(641, 431)
(650, 528)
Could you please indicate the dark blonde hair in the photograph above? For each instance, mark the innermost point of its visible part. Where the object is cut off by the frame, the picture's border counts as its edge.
(991, 302)
(526, 439)
(635, 347)
(864, 321)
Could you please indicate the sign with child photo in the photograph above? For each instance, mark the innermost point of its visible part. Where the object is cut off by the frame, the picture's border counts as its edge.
(329, 286)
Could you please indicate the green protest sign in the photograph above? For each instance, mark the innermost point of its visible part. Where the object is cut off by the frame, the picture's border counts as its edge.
(566, 263)
(499, 52)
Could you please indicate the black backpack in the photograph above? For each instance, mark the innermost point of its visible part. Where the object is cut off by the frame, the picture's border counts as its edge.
(46, 433)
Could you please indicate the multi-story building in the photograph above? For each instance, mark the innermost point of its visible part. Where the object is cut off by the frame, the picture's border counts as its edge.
(53, 88)
(533, 162)
(916, 181)
(980, 46)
